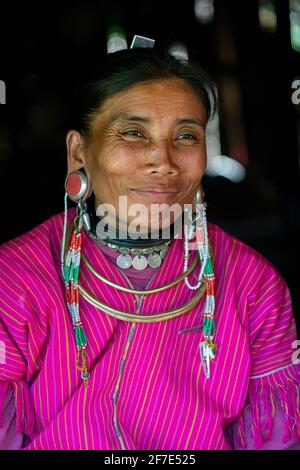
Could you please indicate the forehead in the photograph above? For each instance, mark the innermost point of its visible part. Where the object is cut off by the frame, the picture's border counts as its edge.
(169, 99)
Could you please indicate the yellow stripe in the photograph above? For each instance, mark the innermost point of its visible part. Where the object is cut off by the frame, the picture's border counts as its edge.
(83, 417)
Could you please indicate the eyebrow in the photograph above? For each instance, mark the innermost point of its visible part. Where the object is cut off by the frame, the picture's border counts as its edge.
(138, 118)
(190, 121)
(131, 117)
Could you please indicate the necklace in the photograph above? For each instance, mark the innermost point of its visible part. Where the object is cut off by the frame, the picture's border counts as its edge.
(127, 289)
(135, 318)
(138, 258)
(136, 291)
(135, 253)
(70, 264)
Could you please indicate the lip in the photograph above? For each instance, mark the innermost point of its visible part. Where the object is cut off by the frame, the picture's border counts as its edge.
(156, 190)
(156, 194)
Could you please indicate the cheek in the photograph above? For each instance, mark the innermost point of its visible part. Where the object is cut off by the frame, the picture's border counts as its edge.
(193, 164)
(119, 162)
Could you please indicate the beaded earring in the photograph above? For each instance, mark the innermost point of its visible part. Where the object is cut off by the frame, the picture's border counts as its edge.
(197, 228)
(78, 190)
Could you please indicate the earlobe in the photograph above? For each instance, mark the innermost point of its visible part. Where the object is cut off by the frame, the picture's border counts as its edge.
(75, 151)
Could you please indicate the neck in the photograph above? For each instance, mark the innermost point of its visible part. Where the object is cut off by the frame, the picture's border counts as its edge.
(122, 238)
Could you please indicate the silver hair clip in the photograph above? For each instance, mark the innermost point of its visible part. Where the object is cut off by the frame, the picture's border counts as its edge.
(141, 41)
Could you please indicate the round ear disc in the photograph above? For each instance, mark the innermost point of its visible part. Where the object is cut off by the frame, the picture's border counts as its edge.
(76, 186)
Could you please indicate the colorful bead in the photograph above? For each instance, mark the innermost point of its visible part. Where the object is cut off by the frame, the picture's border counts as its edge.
(207, 347)
(71, 274)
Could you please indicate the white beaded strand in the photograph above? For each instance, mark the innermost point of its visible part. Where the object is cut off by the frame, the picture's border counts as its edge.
(203, 254)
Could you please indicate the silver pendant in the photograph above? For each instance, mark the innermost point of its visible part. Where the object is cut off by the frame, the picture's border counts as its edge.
(206, 354)
(87, 221)
(139, 262)
(154, 260)
(124, 261)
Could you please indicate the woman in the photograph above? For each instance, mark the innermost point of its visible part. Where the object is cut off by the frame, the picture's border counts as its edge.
(116, 339)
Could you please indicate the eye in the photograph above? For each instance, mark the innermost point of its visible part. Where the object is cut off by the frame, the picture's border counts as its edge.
(132, 133)
(186, 135)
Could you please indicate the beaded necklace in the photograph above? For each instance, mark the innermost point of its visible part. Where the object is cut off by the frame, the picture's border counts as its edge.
(71, 266)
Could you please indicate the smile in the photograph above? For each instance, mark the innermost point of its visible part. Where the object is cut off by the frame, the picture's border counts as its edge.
(156, 193)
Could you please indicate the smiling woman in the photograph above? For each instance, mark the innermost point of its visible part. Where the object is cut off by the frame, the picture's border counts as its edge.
(148, 144)
(116, 338)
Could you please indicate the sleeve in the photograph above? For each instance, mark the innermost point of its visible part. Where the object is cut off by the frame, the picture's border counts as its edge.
(271, 415)
(16, 410)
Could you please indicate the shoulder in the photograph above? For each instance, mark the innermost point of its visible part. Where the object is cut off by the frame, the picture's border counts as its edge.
(260, 295)
(240, 262)
(30, 270)
(35, 243)
(33, 258)
(225, 242)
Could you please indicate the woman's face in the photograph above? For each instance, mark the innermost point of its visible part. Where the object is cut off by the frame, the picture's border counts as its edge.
(147, 144)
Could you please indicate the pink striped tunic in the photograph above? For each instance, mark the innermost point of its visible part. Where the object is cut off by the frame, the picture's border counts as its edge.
(147, 389)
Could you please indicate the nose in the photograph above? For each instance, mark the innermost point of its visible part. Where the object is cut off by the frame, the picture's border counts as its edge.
(160, 159)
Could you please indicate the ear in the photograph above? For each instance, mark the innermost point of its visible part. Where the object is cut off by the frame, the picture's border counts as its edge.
(76, 151)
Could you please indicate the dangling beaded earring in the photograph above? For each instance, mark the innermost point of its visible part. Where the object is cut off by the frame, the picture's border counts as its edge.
(197, 227)
(78, 190)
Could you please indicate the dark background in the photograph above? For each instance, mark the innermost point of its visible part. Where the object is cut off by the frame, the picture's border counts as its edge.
(47, 46)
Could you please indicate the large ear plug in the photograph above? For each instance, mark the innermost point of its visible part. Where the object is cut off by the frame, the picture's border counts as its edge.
(77, 186)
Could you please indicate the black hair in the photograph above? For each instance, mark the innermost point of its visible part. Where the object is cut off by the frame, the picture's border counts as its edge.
(122, 69)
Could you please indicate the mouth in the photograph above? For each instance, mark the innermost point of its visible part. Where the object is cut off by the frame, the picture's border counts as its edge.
(156, 192)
